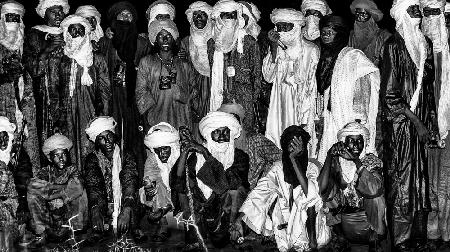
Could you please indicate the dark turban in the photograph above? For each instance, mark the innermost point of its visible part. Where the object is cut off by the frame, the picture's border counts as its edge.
(117, 8)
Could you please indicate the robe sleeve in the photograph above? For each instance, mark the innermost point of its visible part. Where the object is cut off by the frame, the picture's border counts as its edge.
(31, 55)
(73, 189)
(104, 85)
(269, 69)
(144, 97)
(181, 90)
(129, 181)
(370, 180)
(94, 184)
(255, 59)
(213, 174)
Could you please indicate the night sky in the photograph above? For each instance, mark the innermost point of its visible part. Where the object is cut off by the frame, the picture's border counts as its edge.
(340, 7)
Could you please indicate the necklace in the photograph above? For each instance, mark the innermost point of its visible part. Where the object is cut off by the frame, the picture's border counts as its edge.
(168, 65)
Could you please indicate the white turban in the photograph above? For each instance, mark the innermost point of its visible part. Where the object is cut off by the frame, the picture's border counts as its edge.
(79, 49)
(100, 124)
(90, 11)
(6, 125)
(198, 41)
(157, 26)
(369, 6)
(162, 134)
(353, 129)
(160, 7)
(12, 40)
(45, 4)
(254, 15)
(318, 5)
(12, 7)
(55, 142)
(287, 15)
(218, 119)
(292, 38)
(414, 39)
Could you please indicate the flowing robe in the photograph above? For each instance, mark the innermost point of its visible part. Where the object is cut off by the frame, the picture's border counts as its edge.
(407, 177)
(293, 96)
(86, 103)
(9, 230)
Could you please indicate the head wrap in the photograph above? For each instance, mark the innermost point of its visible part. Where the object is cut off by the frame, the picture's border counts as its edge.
(292, 38)
(198, 41)
(447, 7)
(87, 11)
(55, 142)
(369, 6)
(98, 125)
(9, 127)
(45, 4)
(79, 49)
(117, 8)
(254, 15)
(6, 125)
(12, 34)
(233, 108)
(434, 26)
(318, 5)
(414, 39)
(311, 30)
(160, 7)
(289, 133)
(157, 26)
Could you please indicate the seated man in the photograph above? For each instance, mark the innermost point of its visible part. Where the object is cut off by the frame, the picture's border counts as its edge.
(111, 181)
(285, 201)
(163, 141)
(55, 194)
(351, 184)
(218, 179)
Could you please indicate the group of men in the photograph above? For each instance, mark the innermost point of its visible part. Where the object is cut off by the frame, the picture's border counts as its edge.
(101, 128)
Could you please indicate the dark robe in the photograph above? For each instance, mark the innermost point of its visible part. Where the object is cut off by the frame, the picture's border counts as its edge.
(22, 173)
(405, 157)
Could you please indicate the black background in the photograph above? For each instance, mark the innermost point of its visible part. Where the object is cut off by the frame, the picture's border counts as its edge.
(340, 7)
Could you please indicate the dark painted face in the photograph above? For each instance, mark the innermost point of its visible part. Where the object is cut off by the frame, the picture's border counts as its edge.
(4, 140)
(427, 11)
(163, 153)
(354, 144)
(76, 30)
(328, 34)
(12, 18)
(284, 26)
(162, 17)
(200, 19)
(228, 15)
(60, 158)
(362, 15)
(54, 16)
(315, 13)
(221, 135)
(125, 15)
(92, 22)
(106, 141)
(414, 11)
(165, 40)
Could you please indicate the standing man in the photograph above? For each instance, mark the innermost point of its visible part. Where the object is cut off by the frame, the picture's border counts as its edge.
(408, 105)
(314, 10)
(160, 10)
(251, 15)
(94, 17)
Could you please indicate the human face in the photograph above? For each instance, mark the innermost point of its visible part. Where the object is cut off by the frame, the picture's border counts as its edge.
(165, 40)
(161, 17)
(76, 30)
(414, 11)
(125, 15)
(106, 142)
(54, 16)
(315, 13)
(4, 140)
(354, 144)
(228, 15)
(427, 11)
(163, 153)
(200, 19)
(284, 26)
(60, 158)
(93, 21)
(328, 34)
(12, 18)
(362, 15)
(221, 135)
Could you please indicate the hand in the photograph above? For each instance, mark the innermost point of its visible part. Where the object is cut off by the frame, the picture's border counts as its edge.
(123, 221)
(273, 36)
(236, 231)
(296, 147)
(108, 33)
(183, 55)
(97, 220)
(424, 133)
(56, 41)
(150, 191)
(339, 150)
(196, 147)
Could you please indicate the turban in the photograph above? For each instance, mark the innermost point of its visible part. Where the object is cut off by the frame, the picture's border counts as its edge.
(287, 15)
(55, 142)
(233, 108)
(226, 6)
(162, 134)
(318, 5)
(117, 8)
(75, 19)
(100, 124)
(6, 125)
(45, 4)
(160, 7)
(251, 10)
(354, 129)
(440, 4)
(198, 6)
(447, 7)
(336, 22)
(157, 26)
(12, 7)
(218, 119)
(369, 6)
(87, 11)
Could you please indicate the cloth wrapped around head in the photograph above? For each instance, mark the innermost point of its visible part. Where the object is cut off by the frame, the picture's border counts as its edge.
(157, 26)
(369, 6)
(100, 124)
(226, 36)
(6, 125)
(162, 134)
(218, 119)
(90, 11)
(55, 142)
(447, 7)
(160, 7)
(12, 7)
(311, 30)
(117, 8)
(12, 33)
(45, 4)
(354, 129)
(254, 15)
(290, 38)
(198, 6)
(318, 5)
(233, 108)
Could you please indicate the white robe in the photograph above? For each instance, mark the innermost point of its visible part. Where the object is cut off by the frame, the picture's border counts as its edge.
(351, 66)
(273, 187)
(293, 96)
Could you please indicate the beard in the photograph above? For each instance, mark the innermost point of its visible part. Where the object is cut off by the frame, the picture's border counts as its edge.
(311, 30)
(225, 33)
(223, 152)
(433, 27)
(13, 34)
(125, 39)
(74, 45)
